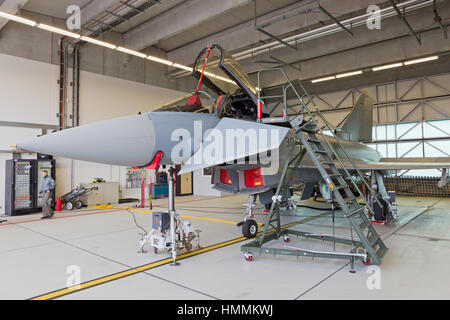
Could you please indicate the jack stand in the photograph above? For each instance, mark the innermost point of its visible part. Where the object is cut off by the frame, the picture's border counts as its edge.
(172, 218)
(173, 237)
(170, 232)
(142, 243)
(352, 265)
(198, 239)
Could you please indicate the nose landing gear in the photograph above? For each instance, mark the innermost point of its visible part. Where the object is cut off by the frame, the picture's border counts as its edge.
(249, 225)
(249, 228)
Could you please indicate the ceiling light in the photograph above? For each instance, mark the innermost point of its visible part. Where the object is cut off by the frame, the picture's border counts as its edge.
(180, 66)
(349, 74)
(132, 52)
(58, 30)
(407, 63)
(159, 60)
(388, 66)
(103, 44)
(209, 74)
(225, 79)
(17, 19)
(98, 42)
(323, 79)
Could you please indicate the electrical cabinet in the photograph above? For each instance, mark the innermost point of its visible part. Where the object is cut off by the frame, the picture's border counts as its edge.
(23, 181)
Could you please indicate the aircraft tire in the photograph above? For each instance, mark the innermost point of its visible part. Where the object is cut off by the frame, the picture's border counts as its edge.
(78, 204)
(249, 228)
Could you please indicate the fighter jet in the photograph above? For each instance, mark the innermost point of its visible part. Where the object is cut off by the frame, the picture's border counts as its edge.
(225, 125)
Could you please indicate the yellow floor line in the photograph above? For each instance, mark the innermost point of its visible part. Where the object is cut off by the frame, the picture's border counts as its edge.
(209, 219)
(122, 274)
(105, 207)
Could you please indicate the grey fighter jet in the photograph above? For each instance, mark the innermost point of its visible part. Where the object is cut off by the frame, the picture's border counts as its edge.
(224, 126)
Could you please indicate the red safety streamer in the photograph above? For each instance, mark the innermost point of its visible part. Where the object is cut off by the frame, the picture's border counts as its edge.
(204, 67)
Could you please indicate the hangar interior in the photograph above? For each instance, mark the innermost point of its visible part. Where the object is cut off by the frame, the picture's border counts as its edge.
(129, 57)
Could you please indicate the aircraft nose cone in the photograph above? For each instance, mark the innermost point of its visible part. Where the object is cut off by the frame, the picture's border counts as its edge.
(127, 141)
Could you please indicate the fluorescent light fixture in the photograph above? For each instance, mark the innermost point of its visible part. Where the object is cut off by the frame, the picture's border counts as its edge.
(215, 76)
(98, 42)
(348, 74)
(388, 66)
(323, 79)
(225, 79)
(212, 75)
(17, 19)
(407, 63)
(132, 52)
(180, 66)
(67, 33)
(159, 60)
(58, 30)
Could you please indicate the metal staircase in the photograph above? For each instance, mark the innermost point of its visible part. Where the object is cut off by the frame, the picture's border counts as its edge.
(370, 248)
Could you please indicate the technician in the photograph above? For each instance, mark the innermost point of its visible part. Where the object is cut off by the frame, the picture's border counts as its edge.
(48, 186)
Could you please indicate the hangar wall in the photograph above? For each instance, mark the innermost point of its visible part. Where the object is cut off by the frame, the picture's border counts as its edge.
(101, 97)
(39, 45)
(411, 117)
(424, 98)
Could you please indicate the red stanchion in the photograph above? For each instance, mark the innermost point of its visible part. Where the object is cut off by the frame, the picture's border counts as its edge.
(143, 192)
(150, 193)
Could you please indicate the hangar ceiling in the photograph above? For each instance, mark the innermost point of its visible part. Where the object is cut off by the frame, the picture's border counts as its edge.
(53, 8)
(181, 28)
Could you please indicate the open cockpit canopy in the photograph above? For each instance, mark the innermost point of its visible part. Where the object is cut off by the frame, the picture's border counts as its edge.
(218, 71)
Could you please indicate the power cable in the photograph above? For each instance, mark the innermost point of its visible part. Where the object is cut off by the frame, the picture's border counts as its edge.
(135, 222)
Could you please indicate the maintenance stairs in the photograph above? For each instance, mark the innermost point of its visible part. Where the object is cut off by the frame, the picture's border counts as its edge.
(370, 248)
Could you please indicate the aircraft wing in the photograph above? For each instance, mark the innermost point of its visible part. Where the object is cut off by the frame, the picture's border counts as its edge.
(394, 164)
(268, 138)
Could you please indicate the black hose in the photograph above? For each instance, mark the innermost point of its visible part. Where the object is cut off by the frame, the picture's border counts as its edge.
(135, 222)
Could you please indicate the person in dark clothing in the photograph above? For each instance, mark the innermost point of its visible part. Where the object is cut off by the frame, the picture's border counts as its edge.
(48, 185)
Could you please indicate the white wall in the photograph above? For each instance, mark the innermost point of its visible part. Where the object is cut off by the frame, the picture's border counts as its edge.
(103, 97)
(29, 93)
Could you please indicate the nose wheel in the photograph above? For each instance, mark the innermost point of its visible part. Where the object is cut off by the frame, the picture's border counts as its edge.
(249, 228)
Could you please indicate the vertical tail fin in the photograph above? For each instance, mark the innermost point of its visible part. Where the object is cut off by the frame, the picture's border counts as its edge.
(358, 126)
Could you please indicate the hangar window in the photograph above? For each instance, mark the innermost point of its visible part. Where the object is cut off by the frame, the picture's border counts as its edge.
(413, 140)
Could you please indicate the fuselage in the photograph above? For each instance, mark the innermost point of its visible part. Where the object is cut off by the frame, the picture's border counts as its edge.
(135, 140)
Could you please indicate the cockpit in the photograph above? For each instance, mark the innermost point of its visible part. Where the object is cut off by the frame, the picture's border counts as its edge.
(223, 88)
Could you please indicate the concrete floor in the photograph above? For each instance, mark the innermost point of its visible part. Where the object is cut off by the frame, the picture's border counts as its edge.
(35, 256)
